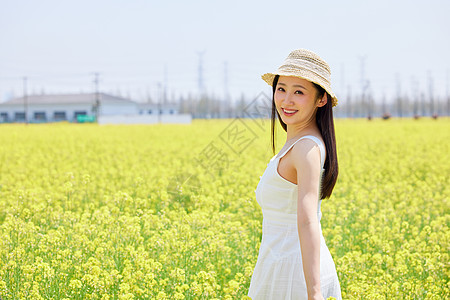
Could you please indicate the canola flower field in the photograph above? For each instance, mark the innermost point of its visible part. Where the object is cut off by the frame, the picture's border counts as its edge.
(169, 211)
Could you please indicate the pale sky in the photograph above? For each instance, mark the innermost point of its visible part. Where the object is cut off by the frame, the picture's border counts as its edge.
(138, 46)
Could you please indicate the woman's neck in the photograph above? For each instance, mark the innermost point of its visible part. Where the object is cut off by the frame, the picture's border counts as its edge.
(294, 131)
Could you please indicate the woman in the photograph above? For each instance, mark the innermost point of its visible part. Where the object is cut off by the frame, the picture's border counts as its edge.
(294, 261)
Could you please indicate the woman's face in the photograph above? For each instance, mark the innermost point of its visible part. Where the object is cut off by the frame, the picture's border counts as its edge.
(295, 100)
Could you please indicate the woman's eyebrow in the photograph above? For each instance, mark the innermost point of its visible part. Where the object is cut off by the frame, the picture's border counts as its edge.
(295, 85)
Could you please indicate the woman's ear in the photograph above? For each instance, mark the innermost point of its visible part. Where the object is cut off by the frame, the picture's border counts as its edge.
(323, 101)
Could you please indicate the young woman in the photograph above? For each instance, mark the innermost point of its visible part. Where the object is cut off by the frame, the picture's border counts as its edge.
(294, 262)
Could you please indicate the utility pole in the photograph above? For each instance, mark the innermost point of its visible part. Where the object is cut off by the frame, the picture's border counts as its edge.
(201, 86)
(342, 88)
(383, 107)
(369, 105)
(160, 99)
(399, 96)
(96, 107)
(349, 102)
(447, 92)
(148, 97)
(430, 91)
(226, 88)
(422, 102)
(364, 83)
(25, 99)
(165, 85)
(342, 79)
(415, 89)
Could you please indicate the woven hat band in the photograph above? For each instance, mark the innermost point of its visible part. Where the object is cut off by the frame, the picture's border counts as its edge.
(295, 68)
(322, 71)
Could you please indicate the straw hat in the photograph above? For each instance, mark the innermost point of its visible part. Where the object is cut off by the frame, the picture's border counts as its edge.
(305, 64)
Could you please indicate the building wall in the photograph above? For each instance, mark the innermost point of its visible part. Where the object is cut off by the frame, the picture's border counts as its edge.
(45, 112)
(62, 112)
(118, 108)
(155, 109)
(38, 113)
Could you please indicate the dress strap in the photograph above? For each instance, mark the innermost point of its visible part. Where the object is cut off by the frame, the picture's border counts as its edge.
(316, 140)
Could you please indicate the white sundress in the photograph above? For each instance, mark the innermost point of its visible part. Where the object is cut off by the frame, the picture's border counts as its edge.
(278, 274)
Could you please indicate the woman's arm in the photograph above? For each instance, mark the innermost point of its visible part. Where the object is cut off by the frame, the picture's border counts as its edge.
(306, 160)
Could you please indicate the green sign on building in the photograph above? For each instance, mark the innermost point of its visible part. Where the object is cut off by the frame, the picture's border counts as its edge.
(85, 119)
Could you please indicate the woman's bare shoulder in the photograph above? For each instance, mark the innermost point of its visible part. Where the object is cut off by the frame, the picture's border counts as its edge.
(305, 151)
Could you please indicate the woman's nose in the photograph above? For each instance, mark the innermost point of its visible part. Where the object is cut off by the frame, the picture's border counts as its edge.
(287, 98)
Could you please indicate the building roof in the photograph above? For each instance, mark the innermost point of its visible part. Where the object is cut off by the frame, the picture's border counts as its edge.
(88, 98)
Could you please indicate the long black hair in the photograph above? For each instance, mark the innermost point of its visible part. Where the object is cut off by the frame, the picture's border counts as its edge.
(325, 123)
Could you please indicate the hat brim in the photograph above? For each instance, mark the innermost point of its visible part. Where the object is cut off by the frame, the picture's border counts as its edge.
(269, 77)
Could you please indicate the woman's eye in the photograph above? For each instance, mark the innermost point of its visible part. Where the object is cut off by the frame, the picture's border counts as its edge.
(299, 92)
(281, 89)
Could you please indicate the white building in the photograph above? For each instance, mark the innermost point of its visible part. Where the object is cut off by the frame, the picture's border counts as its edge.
(68, 107)
(155, 109)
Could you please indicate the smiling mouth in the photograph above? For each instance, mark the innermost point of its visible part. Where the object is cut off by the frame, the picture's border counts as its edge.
(288, 112)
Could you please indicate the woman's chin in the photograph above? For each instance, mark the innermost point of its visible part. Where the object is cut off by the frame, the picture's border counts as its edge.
(288, 120)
